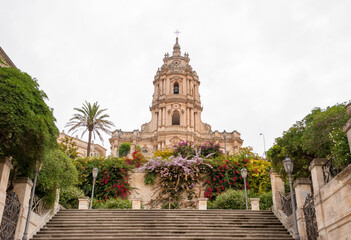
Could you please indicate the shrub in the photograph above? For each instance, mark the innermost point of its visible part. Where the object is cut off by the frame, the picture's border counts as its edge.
(115, 203)
(124, 149)
(266, 201)
(69, 197)
(231, 199)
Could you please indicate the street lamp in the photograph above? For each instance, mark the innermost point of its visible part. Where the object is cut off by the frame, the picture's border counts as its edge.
(264, 145)
(244, 175)
(95, 173)
(119, 136)
(225, 143)
(38, 166)
(211, 136)
(289, 166)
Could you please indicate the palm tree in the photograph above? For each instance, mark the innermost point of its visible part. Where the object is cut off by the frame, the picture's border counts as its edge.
(92, 118)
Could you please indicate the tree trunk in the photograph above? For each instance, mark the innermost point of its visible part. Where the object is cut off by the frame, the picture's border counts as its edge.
(89, 141)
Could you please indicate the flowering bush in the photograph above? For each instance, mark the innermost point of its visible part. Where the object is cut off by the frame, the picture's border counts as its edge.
(163, 153)
(259, 179)
(178, 176)
(184, 149)
(111, 181)
(137, 159)
(224, 175)
(188, 149)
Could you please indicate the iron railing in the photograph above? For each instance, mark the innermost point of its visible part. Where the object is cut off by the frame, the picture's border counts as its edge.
(10, 216)
(310, 218)
(286, 203)
(38, 206)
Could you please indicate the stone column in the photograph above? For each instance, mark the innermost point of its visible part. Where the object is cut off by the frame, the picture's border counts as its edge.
(347, 127)
(22, 188)
(317, 174)
(302, 188)
(5, 168)
(277, 188)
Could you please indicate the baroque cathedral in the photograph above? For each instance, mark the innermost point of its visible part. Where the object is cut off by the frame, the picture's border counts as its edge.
(176, 112)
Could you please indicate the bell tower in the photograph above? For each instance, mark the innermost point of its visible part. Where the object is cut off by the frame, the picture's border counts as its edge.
(176, 104)
(175, 111)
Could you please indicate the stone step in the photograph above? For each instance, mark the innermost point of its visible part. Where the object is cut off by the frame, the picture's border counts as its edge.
(163, 224)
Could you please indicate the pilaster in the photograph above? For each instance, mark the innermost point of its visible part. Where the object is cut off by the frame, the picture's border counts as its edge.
(277, 188)
(22, 188)
(317, 174)
(302, 188)
(5, 168)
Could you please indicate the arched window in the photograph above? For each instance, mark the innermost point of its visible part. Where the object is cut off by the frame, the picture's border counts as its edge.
(176, 88)
(176, 118)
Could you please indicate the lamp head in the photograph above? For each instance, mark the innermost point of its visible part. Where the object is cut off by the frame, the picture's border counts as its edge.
(288, 165)
(119, 133)
(243, 172)
(95, 172)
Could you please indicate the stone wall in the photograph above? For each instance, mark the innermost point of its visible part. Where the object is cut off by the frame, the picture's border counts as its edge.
(332, 203)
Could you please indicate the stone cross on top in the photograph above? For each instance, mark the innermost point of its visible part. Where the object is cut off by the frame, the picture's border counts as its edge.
(177, 33)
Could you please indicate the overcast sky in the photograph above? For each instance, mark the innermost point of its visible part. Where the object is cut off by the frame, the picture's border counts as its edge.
(263, 65)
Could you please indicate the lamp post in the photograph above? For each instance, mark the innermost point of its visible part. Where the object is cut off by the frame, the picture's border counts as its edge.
(264, 145)
(118, 137)
(244, 175)
(136, 139)
(95, 173)
(225, 143)
(36, 172)
(211, 136)
(289, 166)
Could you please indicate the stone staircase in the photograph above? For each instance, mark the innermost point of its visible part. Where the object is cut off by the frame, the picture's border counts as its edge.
(163, 224)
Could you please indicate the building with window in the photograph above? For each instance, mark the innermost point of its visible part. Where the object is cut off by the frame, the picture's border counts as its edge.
(176, 112)
(82, 146)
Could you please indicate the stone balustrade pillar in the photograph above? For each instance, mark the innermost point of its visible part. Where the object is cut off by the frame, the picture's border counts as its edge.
(277, 188)
(136, 203)
(22, 187)
(202, 203)
(302, 188)
(255, 204)
(317, 173)
(83, 203)
(5, 168)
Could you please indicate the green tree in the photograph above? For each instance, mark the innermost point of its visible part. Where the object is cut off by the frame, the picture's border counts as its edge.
(92, 119)
(124, 149)
(69, 146)
(27, 124)
(58, 171)
(310, 138)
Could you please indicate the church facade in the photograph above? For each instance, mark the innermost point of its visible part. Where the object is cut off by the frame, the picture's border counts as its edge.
(176, 112)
